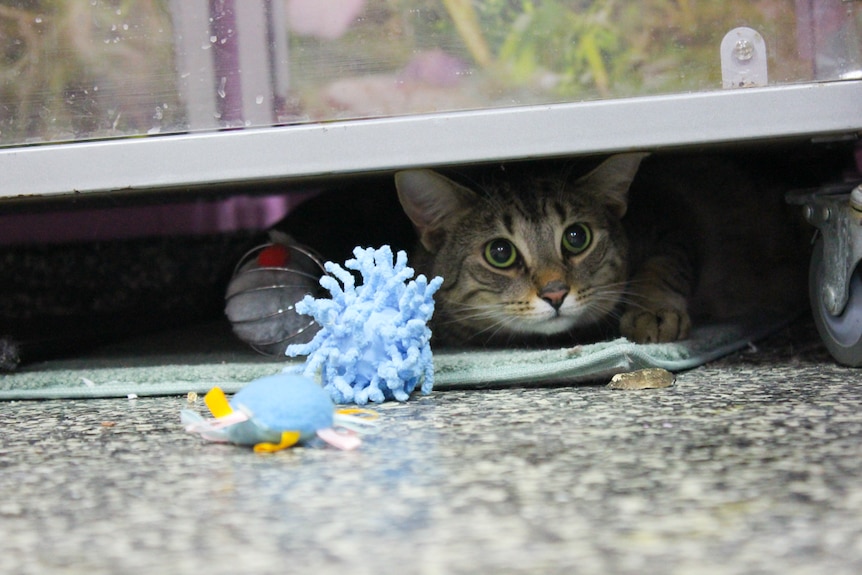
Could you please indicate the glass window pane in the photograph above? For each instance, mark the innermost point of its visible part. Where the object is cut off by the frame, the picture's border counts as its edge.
(85, 69)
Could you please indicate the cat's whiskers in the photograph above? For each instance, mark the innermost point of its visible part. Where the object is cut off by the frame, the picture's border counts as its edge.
(499, 315)
(460, 313)
(603, 293)
(631, 298)
(500, 323)
(603, 304)
(510, 321)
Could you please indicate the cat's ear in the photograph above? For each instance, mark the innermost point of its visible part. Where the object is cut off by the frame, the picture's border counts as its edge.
(612, 179)
(429, 200)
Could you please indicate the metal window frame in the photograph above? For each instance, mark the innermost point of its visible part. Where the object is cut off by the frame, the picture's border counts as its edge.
(280, 153)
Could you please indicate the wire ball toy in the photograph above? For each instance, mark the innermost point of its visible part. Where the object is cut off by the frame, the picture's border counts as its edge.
(267, 281)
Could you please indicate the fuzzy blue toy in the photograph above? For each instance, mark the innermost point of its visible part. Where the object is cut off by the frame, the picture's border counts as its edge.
(374, 344)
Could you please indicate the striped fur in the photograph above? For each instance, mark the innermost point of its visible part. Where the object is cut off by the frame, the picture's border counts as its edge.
(480, 304)
(685, 244)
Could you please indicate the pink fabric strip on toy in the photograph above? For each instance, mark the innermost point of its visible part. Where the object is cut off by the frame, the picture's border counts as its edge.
(344, 441)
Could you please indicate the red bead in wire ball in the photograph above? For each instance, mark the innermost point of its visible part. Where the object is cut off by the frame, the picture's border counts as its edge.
(260, 297)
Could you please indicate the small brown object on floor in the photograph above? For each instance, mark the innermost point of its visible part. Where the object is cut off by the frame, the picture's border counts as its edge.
(649, 378)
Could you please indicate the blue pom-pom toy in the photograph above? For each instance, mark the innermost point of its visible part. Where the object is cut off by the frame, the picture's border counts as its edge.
(374, 344)
(278, 411)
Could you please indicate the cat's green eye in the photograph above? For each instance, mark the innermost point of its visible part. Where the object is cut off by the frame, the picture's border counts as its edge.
(577, 238)
(501, 253)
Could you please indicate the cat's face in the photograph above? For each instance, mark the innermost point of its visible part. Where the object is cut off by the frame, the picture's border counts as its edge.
(523, 257)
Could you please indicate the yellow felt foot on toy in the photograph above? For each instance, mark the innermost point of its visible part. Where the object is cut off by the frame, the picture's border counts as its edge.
(357, 420)
(288, 438)
(366, 414)
(217, 402)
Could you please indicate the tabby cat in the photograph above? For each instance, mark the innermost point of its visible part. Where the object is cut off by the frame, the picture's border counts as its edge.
(537, 254)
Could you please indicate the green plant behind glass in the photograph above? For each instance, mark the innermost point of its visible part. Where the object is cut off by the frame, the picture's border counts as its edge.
(613, 48)
(74, 69)
(576, 48)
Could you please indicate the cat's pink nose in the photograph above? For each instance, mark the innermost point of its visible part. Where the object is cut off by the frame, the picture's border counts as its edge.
(554, 293)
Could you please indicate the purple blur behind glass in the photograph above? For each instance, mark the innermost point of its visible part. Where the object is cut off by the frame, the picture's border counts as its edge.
(202, 217)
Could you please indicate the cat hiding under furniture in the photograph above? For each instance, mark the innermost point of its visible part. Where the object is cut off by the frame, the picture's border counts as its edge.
(547, 253)
(564, 252)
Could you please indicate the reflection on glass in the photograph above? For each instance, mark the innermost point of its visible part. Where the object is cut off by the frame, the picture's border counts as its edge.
(82, 69)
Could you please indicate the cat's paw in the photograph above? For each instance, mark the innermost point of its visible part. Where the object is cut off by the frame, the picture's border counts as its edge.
(659, 326)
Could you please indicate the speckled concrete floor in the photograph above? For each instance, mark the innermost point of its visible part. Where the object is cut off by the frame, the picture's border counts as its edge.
(752, 464)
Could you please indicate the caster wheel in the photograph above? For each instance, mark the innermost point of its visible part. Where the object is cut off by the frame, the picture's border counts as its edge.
(842, 334)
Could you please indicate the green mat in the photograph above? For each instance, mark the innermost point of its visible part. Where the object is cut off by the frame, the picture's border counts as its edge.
(207, 356)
